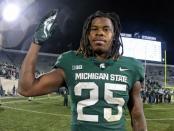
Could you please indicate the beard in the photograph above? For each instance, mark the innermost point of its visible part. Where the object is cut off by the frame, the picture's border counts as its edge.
(102, 51)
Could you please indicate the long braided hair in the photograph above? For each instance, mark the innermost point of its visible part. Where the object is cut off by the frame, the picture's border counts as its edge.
(85, 47)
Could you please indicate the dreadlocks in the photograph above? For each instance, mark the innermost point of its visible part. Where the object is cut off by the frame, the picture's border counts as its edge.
(85, 47)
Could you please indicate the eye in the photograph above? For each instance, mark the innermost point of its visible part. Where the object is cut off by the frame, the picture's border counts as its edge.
(106, 29)
(93, 29)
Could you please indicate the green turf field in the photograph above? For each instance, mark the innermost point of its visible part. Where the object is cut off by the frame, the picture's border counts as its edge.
(48, 114)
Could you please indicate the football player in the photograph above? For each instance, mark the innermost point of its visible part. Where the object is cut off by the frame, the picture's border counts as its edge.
(102, 83)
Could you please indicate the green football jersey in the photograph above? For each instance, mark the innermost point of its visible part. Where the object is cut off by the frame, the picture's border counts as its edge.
(99, 90)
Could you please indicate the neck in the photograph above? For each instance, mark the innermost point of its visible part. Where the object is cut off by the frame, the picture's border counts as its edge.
(102, 57)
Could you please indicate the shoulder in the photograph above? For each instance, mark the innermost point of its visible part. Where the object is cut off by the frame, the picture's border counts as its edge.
(136, 66)
(66, 55)
(131, 61)
(62, 59)
(133, 64)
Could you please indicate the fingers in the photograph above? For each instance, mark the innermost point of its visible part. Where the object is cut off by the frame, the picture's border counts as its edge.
(46, 27)
(50, 16)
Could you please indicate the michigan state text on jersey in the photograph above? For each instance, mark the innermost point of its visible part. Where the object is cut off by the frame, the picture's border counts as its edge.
(99, 94)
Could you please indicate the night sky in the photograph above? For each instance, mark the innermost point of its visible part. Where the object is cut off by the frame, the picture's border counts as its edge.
(147, 17)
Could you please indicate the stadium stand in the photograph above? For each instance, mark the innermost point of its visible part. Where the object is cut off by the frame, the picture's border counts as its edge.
(10, 62)
(156, 72)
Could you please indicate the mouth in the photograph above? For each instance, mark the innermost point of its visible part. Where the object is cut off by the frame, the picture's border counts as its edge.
(99, 42)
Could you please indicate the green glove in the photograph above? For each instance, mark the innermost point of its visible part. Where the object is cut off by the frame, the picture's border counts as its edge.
(46, 28)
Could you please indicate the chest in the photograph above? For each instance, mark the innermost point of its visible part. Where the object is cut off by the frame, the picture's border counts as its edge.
(100, 81)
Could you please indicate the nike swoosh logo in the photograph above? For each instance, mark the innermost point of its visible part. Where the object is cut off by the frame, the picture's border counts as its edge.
(123, 69)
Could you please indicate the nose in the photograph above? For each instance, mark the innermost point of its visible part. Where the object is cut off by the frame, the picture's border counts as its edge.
(99, 32)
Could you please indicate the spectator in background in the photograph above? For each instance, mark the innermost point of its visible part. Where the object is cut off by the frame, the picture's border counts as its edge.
(1, 91)
(157, 97)
(14, 91)
(65, 95)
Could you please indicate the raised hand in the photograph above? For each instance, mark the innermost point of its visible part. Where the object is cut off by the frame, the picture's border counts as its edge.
(46, 28)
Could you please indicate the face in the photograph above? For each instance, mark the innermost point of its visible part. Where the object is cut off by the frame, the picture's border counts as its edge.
(101, 35)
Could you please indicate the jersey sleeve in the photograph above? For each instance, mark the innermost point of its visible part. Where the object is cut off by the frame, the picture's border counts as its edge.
(62, 61)
(139, 69)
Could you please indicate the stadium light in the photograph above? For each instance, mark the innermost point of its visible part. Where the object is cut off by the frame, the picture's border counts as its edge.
(11, 12)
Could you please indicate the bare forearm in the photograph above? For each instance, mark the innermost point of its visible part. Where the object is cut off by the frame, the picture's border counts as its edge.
(139, 123)
(27, 72)
(136, 109)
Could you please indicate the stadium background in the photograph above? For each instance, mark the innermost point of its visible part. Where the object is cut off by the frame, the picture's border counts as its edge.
(149, 18)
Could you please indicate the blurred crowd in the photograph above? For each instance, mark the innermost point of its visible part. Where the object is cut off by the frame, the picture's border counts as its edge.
(154, 93)
(9, 71)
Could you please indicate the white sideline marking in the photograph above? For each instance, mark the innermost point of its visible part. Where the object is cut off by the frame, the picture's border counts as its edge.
(19, 109)
(162, 108)
(31, 111)
(160, 119)
(24, 100)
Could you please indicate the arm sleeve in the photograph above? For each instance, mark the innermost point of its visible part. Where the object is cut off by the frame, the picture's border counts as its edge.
(59, 62)
(139, 69)
(63, 61)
